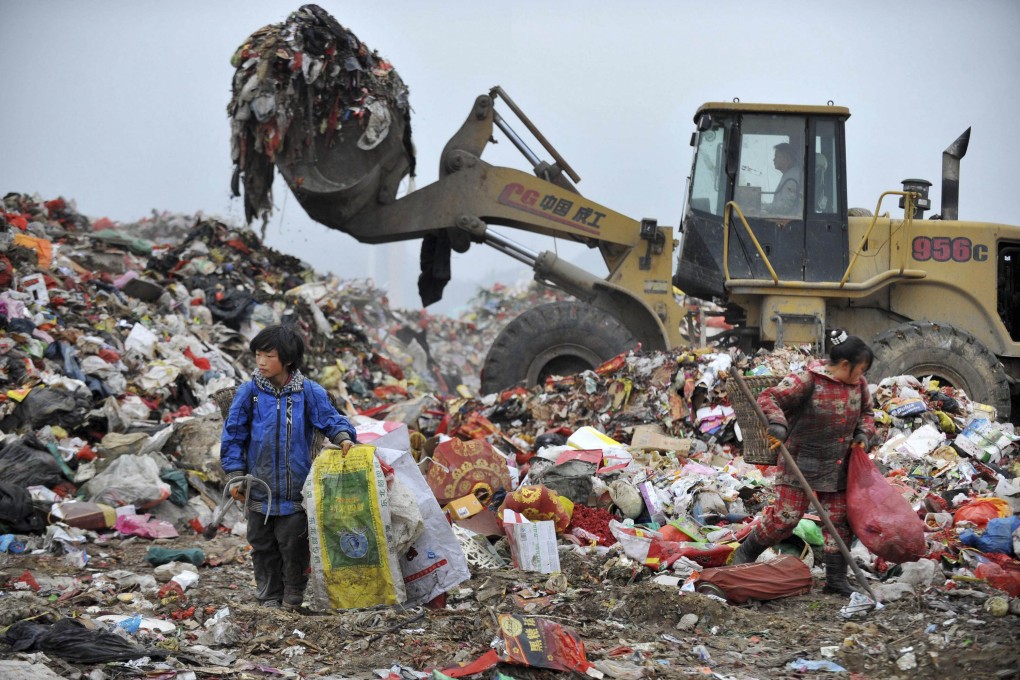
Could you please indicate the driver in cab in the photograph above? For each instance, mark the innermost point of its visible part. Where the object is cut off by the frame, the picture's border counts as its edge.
(786, 201)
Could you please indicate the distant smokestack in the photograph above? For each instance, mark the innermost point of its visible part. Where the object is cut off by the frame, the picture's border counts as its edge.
(951, 176)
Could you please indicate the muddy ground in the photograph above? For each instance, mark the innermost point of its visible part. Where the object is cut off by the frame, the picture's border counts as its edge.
(628, 623)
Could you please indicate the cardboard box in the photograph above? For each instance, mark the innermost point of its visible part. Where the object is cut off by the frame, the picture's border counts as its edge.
(651, 437)
(35, 285)
(983, 441)
(462, 508)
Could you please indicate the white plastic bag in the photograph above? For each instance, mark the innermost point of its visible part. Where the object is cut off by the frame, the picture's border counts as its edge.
(407, 523)
(129, 480)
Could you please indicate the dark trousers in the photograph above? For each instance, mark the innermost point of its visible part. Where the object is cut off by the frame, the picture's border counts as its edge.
(280, 556)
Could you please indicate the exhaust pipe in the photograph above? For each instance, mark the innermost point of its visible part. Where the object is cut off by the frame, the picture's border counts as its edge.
(951, 176)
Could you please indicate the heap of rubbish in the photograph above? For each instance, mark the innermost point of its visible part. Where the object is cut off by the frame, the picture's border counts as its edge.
(116, 339)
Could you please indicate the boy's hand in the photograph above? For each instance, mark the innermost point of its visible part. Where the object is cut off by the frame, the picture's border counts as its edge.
(346, 445)
(236, 489)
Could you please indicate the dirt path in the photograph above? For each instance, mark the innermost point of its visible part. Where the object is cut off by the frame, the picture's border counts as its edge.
(628, 623)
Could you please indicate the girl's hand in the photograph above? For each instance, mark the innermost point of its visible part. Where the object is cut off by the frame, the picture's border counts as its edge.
(776, 435)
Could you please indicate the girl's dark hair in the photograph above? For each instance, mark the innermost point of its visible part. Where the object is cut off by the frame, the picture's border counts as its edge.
(849, 347)
(285, 340)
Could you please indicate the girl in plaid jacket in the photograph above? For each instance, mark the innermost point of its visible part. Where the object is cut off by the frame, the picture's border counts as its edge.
(820, 412)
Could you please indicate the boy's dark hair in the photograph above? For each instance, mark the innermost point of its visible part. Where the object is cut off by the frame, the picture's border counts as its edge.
(289, 345)
(849, 347)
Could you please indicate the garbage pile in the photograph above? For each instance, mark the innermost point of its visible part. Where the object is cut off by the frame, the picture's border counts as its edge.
(650, 444)
(115, 346)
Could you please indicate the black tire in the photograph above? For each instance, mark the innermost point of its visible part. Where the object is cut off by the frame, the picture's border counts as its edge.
(559, 338)
(956, 357)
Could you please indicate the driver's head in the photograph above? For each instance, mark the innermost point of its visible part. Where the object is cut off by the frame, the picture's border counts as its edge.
(784, 158)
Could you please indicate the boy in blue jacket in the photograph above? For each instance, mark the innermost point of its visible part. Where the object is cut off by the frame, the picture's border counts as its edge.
(268, 434)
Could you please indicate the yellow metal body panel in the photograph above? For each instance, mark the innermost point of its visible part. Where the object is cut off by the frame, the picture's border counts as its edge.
(507, 196)
(937, 270)
(794, 332)
(959, 262)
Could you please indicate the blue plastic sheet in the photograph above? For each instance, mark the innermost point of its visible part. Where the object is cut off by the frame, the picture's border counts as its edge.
(9, 544)
(813, 665)
(997, 537)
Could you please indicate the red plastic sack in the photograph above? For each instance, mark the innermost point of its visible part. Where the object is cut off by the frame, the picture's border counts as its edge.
(1005, 578)
(980, 510)
(879, 515)
(705, 554)
(784, 576)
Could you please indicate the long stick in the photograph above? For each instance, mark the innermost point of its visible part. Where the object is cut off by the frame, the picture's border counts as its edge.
(792, 465)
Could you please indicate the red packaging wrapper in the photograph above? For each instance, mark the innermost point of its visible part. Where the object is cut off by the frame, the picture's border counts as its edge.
(458, 466)
(543, 644)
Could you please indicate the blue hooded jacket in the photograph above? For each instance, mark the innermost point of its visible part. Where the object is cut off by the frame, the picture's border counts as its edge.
(269, 434)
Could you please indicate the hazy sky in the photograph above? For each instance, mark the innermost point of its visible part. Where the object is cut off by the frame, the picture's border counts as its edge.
(122, 105)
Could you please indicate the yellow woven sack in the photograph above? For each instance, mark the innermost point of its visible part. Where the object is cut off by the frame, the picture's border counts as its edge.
(353, 564)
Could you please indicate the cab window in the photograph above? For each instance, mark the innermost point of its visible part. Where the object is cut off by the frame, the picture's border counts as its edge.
(824, 195)
(770, 176)
(708, 176)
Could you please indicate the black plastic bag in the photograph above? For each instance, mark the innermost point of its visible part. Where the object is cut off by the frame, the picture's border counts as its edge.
(17, 512)
(27, 462)
(50, 406)
(70, 639)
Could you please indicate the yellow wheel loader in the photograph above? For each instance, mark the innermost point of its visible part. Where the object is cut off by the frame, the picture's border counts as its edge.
(766, 232)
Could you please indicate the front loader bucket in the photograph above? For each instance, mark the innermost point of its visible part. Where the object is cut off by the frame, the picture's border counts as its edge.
(311, 99)
(333, 179)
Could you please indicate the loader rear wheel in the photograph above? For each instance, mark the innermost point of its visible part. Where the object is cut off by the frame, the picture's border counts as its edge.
(952, 355)
(559, 338)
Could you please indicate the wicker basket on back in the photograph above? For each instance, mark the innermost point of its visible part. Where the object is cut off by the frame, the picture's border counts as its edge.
(756, 444)
(225, 397)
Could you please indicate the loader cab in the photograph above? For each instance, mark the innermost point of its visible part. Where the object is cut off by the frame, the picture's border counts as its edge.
(785, 169)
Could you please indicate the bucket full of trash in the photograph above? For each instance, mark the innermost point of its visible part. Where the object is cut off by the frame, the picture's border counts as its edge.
(330, 113)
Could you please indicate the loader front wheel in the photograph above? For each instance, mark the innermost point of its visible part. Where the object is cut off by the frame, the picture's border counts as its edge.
(559, 338)
(953, 356)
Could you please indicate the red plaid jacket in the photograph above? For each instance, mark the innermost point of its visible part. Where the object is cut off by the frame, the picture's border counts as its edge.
(822, 416)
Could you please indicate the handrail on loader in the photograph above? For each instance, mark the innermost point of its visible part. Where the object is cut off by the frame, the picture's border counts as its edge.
(499, 92)
(909, 208)
(732, 205)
